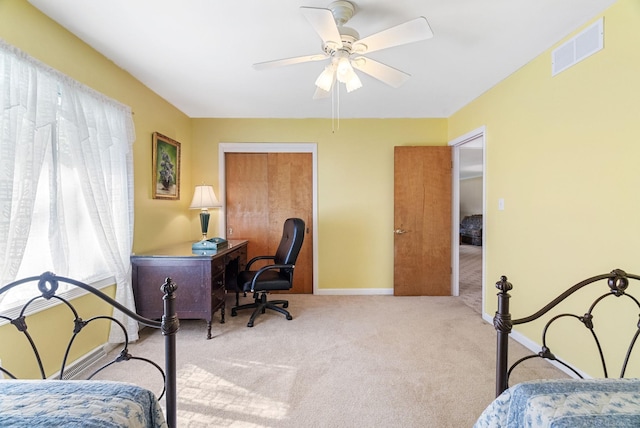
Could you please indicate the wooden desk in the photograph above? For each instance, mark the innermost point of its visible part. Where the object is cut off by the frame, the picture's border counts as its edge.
(202, 279)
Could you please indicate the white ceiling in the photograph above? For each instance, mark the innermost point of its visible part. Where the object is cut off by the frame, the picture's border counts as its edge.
(471, 162)
(198, 54)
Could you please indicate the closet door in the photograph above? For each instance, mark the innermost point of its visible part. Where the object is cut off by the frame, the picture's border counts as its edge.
(262, 191)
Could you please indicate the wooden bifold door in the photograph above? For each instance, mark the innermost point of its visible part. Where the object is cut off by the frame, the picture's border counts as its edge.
(262, 191)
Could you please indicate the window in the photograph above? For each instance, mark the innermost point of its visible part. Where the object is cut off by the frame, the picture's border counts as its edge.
(84, 259)
(66, 181)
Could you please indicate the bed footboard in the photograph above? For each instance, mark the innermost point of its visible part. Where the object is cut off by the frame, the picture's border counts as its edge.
(616, 285)
(48, 285)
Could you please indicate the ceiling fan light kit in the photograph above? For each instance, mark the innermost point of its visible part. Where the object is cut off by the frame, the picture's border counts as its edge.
(341, 44)
(326, 78)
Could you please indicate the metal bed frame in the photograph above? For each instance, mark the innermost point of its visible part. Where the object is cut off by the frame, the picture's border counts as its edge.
(618, 282)
(48, 284)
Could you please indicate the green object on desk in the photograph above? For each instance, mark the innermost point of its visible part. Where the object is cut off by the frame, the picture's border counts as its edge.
(210, 244)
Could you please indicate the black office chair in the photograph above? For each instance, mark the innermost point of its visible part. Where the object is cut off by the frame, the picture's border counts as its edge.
(275, 276)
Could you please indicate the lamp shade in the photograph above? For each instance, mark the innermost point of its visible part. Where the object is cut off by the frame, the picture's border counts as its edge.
(203, 198)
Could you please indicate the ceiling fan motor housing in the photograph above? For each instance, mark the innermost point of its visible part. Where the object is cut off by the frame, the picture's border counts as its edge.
(348, 36)
(342, 11)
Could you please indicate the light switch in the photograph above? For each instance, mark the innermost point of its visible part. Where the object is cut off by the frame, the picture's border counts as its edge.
(501, 204)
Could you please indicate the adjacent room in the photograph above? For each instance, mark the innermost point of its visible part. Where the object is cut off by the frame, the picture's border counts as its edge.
(331, 214)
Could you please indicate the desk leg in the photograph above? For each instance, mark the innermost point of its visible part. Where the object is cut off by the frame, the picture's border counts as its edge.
(210, 321)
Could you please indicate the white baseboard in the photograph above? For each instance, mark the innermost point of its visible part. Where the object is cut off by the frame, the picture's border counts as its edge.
(535, 348)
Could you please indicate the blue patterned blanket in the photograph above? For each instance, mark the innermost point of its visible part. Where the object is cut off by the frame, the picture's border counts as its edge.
(574, 403)
(87, 404)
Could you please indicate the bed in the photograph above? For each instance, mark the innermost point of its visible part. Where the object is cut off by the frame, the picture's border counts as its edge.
(59, 401)
(581, 401)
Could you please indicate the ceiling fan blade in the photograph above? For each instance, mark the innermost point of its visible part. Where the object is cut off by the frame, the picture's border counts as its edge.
(411, 31)
(389, 75)
(289, 61)
(324, 24)
(321, 93)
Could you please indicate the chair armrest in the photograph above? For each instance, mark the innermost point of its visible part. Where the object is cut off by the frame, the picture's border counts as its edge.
(255, 259)
(266, 268)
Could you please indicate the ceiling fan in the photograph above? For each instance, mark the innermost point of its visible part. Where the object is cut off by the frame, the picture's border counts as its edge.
(345, 49)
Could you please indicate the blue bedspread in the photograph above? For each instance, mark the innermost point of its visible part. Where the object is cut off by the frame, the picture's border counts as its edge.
(566, 403)
(87, 404)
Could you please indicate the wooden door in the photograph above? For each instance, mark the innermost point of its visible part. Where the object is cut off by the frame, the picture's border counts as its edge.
(422, 221)
(262, 191)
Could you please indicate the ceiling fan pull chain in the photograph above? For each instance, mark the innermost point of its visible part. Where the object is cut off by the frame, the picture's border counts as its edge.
(338, 105)
(333, 127)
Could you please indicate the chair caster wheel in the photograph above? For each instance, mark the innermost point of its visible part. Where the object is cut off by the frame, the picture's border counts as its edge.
(285, 305)
(289, 317)
(249, 324)
(234, 312)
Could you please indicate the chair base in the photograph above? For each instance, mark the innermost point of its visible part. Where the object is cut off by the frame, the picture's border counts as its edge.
(261, 305)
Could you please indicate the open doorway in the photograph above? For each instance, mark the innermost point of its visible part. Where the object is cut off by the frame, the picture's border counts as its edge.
(469, 209)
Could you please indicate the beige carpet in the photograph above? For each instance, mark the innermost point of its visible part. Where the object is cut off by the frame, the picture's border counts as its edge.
(470, 290)
(343, 361)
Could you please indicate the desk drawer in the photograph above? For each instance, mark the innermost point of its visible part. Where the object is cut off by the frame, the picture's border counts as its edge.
(217, 267)
(218, 292)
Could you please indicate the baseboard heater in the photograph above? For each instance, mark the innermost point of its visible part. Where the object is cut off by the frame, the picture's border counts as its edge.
(73, 370)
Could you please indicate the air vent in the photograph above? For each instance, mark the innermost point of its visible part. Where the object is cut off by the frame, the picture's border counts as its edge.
(588, 42)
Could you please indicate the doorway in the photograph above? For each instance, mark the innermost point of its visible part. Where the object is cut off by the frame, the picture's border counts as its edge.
(266, 148)
(468, 165)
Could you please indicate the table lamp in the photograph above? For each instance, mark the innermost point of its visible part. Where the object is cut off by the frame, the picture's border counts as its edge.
(204, 198)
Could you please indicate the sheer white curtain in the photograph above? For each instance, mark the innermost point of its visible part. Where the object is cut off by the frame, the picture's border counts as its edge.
(79, 164)
(96, 136)
(28, 106)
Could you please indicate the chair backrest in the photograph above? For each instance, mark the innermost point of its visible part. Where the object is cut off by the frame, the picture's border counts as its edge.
(291, 242)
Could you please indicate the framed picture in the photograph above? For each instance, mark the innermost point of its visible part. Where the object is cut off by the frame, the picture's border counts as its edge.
(166, 167)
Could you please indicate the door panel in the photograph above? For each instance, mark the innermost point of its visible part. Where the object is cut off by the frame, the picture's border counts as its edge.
(263, 190)
(422, 221)
(290, 195)
(247, 194)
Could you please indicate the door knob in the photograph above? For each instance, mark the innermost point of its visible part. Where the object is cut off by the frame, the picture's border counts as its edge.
(399, 231)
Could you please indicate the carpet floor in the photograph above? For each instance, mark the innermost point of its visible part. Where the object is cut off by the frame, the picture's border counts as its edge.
(343, 361)
(470, 290)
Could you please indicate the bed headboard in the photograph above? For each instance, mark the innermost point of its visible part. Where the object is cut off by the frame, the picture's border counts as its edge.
(48, 286)
(612, 285)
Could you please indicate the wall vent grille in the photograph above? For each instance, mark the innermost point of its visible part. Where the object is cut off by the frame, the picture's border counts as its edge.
(584, 44)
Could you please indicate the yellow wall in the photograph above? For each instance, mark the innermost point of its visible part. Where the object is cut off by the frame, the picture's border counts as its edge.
(560, 150)
(355, 184)
(355, 163)
(157, 222)
(51, 331)
(563, 152)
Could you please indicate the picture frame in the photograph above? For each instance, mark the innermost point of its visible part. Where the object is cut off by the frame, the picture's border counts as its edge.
(166, 167)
